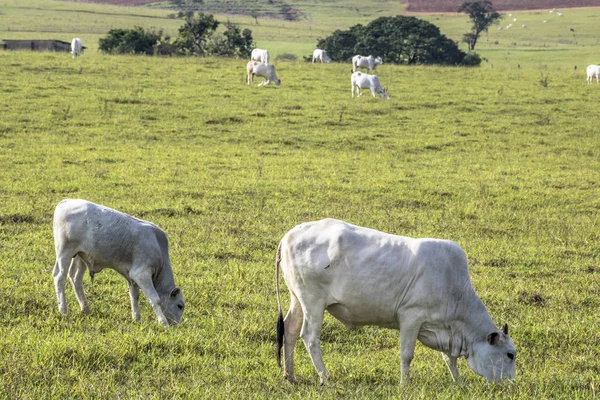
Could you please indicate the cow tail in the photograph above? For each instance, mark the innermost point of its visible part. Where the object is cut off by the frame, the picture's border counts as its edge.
(280, 324)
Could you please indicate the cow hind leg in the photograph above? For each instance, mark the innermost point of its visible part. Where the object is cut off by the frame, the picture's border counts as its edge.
(76, 273)
(134, 296)
(311, 332)
(292, 324)
(61, 269)
(408, 342)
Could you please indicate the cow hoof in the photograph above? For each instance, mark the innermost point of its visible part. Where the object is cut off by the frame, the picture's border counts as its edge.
(324, 377)
(85, 310)
(291, 379)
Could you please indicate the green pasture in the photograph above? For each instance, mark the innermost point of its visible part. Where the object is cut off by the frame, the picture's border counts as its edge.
(503, 160)
(492, 159)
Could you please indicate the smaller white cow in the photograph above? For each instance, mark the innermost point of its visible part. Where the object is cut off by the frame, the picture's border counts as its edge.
(320, 55)
(523, 26)
(369, 63)
(364, 81)
(267, 71)
(93, 237)
(559, 14)
(76, 47)
(592, 71)
(260, 55)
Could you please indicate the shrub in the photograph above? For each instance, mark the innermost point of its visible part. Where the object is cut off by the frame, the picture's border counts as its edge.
(472, 60)
(127, 41)
(399, 40)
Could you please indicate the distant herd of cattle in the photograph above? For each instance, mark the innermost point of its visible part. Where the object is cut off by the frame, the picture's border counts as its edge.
(259, 66)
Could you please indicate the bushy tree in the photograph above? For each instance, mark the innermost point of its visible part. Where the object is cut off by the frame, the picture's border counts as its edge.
(130, 41)
(195, 34)
(233, 43)
(399, 39)
(482, 14)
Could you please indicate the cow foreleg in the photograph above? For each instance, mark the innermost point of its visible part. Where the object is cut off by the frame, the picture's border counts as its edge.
(76, 273)
(61, 269)
(451, 363)
(408, 341)
(143, 277)
(311, 332)
(134, 296)
(293, 324)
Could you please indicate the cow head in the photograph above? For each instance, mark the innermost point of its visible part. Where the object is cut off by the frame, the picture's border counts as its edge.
(494, 357)
(277, 81)
(384, 94)
(378, 60)
(172, 305)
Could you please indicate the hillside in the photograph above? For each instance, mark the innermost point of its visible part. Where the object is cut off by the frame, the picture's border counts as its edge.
(452, 5)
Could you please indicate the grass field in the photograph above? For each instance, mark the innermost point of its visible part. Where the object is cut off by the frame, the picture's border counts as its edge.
(496, 159)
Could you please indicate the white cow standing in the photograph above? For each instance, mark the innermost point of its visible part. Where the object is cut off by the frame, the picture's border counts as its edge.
(97, 237)
(76, 47)
(267, 71)
(364, 81)
(260, 55)
(592, 71)
(320, 55)
(369, 63)
(366, 277)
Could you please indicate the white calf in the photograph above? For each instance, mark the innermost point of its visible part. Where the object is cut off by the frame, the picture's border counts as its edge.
(76, 47)
(267, 71)
(320, 55)
(369, 63)
(592, 71)
(260, 55)
(364, 81)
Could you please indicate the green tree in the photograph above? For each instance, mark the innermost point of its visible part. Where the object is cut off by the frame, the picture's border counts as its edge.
(482, 14)
(195, 33)
(128, 41)
(399, 39)
(233, 43)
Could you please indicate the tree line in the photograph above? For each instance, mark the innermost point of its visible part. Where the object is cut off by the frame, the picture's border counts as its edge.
(197, 36)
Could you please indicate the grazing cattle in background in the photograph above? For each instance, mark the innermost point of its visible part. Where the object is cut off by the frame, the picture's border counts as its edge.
(369, 63)
(366, 277)
(267, 71)
(523, 26)
(364, 81)
(76, 47)
(592, 71)
(320, 55)
(97, 237)
(559, 14)
(260, 55)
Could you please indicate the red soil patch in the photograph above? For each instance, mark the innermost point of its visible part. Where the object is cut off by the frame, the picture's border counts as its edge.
(501, 5)
(119, 2)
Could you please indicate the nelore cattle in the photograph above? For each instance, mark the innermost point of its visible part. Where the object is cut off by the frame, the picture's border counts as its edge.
(365, 277)
(88, 235)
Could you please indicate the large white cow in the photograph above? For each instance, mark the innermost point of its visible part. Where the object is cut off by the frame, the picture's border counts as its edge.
(260, 55)
(320, 55)
(267, 71)
(364, 81)
(369, 63)
(76, 47)
(366, 277)
(97, 237)
(592, 71)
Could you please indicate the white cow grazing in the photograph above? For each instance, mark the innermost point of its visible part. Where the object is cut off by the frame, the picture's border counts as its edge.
(369, 63)
(320, 55)
(366, 277)
(364, 81)
(260, 55)
(76, 47)
(592, 71)
(267, 71)
(97, 237)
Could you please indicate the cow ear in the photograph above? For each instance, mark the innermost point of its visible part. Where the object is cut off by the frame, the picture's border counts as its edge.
(175, 292)
(505, 329)
(493, 338)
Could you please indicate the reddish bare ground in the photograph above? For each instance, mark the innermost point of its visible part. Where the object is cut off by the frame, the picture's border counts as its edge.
(119, 2)
(452, 5)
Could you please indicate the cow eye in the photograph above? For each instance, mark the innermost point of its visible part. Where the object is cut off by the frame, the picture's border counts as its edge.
(180, 306)
(511, 356)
